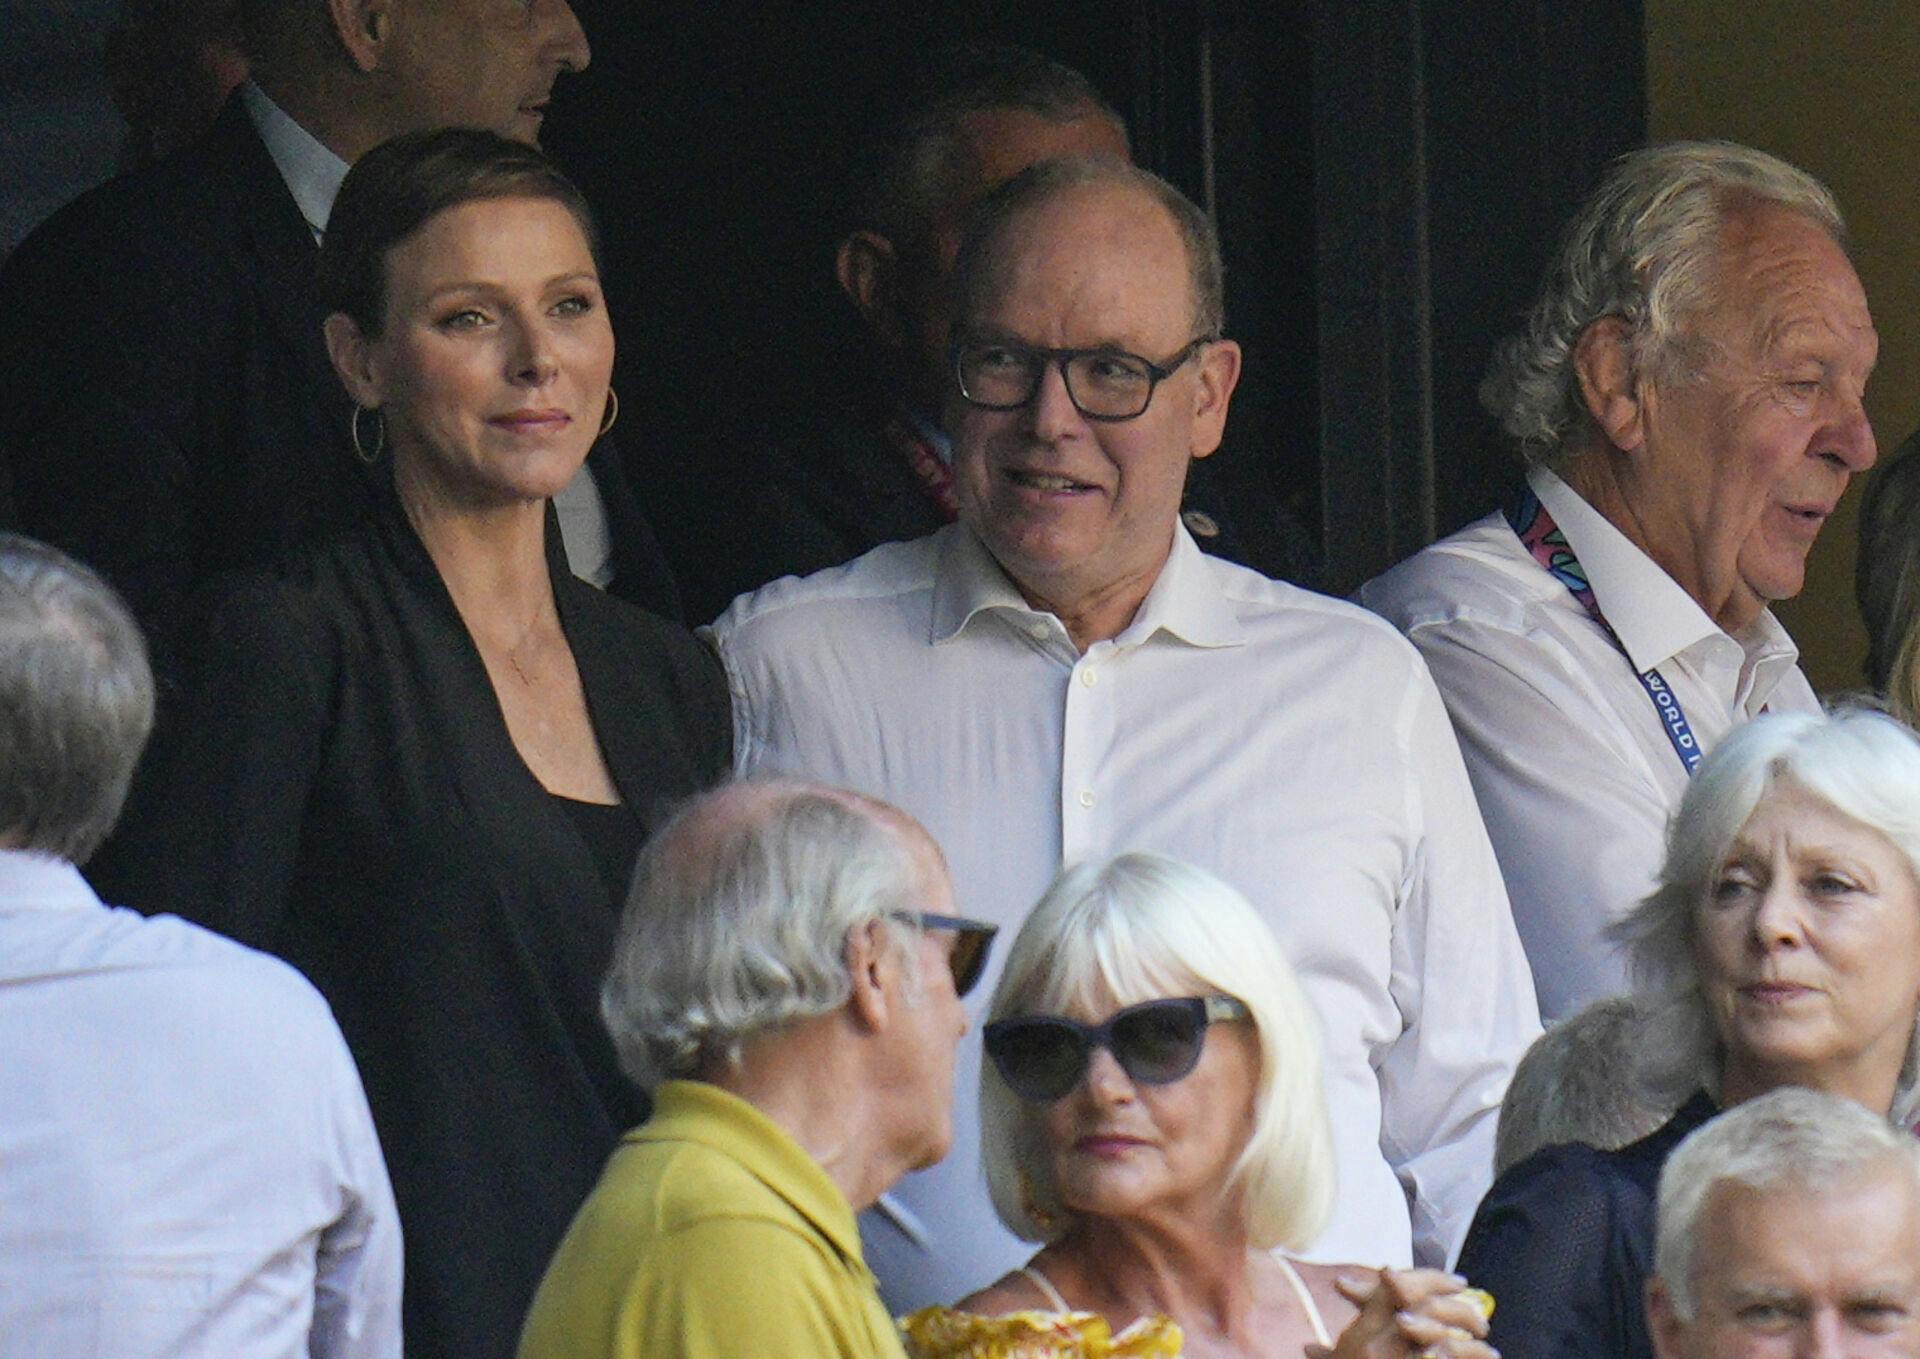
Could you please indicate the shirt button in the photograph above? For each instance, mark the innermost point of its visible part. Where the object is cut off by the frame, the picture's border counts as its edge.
(1089, 677)
(1037, 631)
(1086, 797)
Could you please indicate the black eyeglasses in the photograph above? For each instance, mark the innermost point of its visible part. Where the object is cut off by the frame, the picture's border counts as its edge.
(1043, 1057)
(972, 940)
(1103, 384)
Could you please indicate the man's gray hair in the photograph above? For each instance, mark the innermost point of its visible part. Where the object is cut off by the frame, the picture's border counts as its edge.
(1864, 765)
(1575, 1084)
(739, 915)
(76, 702)
(1644, 248)
(1041, 183)
(1789, 1138)
(908, 172)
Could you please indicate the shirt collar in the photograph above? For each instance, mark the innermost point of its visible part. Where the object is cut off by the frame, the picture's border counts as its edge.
(1186, 600)
(35, 882)
(1652, 616)
(312, 172)
(694, 1111)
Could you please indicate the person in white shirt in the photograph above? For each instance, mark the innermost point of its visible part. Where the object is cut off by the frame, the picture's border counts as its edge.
(1687, 400)
(1062, 675)
(187, 1163)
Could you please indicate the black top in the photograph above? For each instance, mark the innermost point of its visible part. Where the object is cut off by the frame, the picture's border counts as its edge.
(1564, 1242)
(342, 791)
(612, 834)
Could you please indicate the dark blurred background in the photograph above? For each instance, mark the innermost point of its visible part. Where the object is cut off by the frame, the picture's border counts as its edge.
(1387, 176)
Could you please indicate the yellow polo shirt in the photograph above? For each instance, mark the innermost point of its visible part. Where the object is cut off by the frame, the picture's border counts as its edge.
(710, 1233)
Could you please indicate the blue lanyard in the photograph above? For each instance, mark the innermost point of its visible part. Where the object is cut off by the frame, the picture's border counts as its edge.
(1538, 533)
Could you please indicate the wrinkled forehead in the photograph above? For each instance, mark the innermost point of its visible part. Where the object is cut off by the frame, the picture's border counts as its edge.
(1784, 282)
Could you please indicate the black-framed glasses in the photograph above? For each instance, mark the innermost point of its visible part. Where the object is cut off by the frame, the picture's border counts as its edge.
(1103, 384)
(1043, 1057)
(972, 941)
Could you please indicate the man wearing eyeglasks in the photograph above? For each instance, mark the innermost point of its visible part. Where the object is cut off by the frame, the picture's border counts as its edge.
(787, 983)
(1063, 675)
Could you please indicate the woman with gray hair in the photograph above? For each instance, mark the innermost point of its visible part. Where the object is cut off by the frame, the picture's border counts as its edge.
(1781, 948)
(1152, 1113)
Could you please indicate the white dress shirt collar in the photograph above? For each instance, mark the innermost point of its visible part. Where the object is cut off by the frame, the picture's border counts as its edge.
(312, 172)
(1185, 602)
(1654, 618)
(35, 882)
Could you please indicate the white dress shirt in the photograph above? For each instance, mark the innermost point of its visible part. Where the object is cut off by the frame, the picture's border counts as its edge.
(313, 174)
(1290, 743)
(187, 1166)
(1573, 767)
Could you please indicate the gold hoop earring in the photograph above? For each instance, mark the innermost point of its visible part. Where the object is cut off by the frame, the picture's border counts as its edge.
(612, 413)
(380, 432)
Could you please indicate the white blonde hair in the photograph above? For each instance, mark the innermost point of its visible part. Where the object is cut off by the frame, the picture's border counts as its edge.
(1143, 927)
(1863, 764)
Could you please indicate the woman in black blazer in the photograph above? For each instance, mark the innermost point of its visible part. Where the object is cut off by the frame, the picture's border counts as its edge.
(418, 761)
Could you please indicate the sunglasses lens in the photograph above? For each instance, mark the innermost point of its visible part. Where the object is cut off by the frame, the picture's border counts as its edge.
(968, 960)
(1160, 1042)
(1040, 1060)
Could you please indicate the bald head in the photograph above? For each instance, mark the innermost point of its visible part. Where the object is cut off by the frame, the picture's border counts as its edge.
(1104, 192)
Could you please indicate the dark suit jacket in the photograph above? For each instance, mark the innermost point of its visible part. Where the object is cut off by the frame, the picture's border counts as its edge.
(170, 411)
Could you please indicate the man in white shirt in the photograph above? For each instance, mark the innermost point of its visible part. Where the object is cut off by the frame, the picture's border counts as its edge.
(192, 423)
(187, 1163)
(1062, 674)
(1687, 398)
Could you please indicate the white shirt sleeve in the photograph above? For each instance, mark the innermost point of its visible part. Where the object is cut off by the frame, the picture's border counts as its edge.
(1577, 814)
(357, 1269)
(1461, 981)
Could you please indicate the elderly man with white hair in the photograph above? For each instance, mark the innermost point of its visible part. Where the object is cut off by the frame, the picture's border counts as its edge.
(1687, 400)
(1789, 1226)
(787, 983)
(187, 1163)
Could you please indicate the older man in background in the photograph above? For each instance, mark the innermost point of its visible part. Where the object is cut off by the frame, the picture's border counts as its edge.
(191, 422)
(1688, 400)
(1062, 674)
(787, 981)
(1789, 1226)
(187, 1163)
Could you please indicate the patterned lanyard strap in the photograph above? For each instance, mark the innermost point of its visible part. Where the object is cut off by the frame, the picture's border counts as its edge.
(1529, 519)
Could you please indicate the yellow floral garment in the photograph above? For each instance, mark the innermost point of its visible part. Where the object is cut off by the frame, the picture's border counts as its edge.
(943, 1333)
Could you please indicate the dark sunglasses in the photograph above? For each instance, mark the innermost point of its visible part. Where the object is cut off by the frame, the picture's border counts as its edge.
(972, 939)
(1043, 1057)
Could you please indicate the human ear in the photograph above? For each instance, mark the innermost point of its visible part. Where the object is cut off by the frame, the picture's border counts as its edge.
(352, 359)
(868, 270)
(1663, 1324)
(362, 27)
(1609, 387)
(1219, 373)
(871, 961)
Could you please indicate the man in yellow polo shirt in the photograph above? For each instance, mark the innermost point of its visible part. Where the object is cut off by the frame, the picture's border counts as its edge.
(787, 982)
